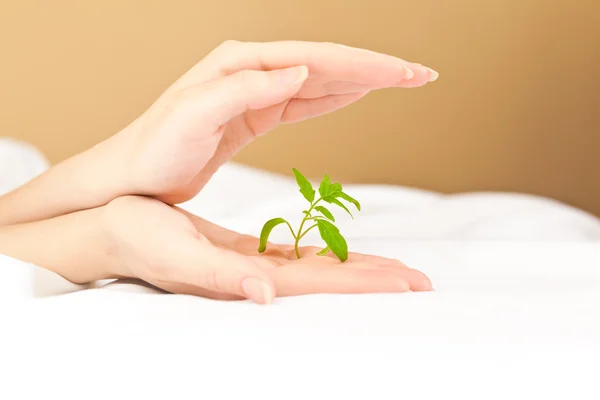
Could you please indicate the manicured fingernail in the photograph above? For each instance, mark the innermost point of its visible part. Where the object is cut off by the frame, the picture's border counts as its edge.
(257, 290)
(409, 73)
(292, 76)
(433, 75)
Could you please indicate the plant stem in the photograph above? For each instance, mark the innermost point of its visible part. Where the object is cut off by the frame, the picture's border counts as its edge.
(313, 218)
(306, 231)
(299, 235)
(291, 229)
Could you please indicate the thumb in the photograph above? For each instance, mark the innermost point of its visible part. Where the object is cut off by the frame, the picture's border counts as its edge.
(203, 265)
(217, 102)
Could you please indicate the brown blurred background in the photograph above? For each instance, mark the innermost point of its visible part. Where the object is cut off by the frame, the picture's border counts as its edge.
(516, 108)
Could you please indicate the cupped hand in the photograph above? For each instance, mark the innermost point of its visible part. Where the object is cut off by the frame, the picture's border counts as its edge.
(178, 252)
(240, 91)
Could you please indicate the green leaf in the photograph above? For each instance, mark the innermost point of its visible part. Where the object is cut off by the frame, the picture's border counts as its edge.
(324, 187)
(325, 212)
(305, 186)
(334, 239)
(324, 251)
(266, 231)
(327, 189)
(335, 187)
(348, 199)
(333, 200)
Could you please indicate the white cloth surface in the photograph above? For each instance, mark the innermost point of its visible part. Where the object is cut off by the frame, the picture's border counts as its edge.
(242, 198)
(514, 314)
(19, 163)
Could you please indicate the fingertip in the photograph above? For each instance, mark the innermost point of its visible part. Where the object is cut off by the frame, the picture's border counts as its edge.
(423, 284)
(258, 290)
(293, 75)
(417, 280)
(303, 75)
(421, 75)
(433, 75)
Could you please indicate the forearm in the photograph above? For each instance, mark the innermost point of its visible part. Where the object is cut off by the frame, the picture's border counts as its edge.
(74, 246)
(88, 180)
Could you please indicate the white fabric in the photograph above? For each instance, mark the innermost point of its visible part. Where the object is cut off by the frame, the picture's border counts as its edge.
(514, 315)
(19, 163)
(243, 198)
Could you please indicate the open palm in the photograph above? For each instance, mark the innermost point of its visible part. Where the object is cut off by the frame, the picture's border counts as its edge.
(182, 253)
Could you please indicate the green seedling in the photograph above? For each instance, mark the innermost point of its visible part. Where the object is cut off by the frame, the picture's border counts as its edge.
(323, 219)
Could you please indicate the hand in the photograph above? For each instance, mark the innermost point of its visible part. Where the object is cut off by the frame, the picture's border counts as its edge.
(240, 91)
(182, 253)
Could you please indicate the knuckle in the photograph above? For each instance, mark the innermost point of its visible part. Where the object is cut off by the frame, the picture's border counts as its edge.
(182, 95)
(224, 50)
(229, 44)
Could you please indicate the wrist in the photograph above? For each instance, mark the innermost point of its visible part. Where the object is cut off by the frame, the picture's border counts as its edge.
(101, 173)
(87, 180)
(114, 263)
(74, 246)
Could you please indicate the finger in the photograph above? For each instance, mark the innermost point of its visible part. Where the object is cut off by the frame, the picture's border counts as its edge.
(417, 280)
(217, 102)
(311, 251)
(421, 77)
(301, 109)
(311, 278)
(246, 244)
(205, 266)
(332, 88)
(216, 234)
(314, 87)
(235, 241)
(182, 288)
(324, 59)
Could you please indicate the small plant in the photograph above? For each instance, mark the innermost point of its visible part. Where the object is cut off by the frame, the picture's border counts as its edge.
(329, 193)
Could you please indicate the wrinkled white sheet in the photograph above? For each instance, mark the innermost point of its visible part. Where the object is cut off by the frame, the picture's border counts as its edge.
(514, 315)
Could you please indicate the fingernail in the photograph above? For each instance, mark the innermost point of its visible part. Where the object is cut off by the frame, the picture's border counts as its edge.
(409, 73)
(257, 290)
(292, 76)
(433, 75)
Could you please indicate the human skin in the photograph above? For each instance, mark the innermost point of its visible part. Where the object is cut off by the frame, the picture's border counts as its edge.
(237, 92)
(144, 238)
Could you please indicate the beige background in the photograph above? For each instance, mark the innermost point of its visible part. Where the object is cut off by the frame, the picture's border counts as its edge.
(516, 107)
